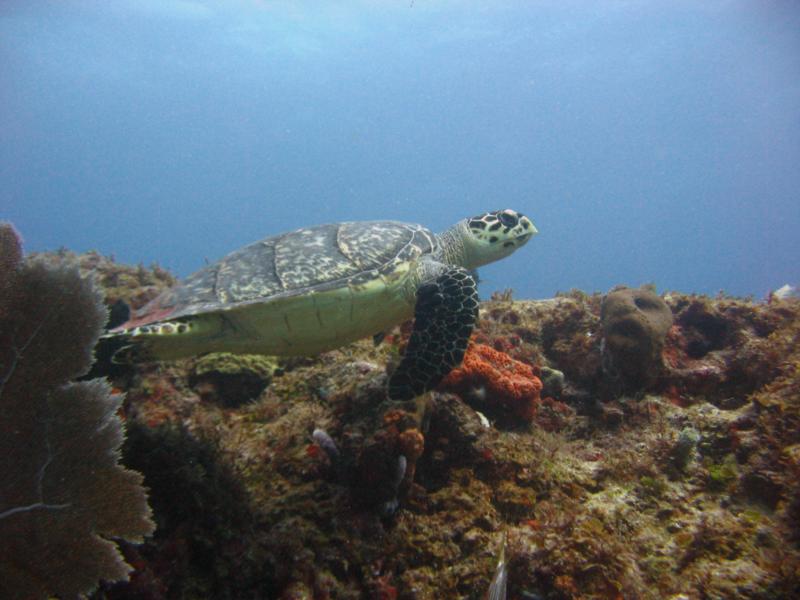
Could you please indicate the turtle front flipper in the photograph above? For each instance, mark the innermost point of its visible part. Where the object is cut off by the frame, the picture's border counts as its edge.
(444, 316)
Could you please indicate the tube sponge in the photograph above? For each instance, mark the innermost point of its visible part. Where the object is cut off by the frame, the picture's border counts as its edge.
(63, 493)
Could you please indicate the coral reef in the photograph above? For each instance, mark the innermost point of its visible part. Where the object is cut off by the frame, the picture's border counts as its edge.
(64, 497)
(562, 333)
(681, 484)
(135, 286)
(724, 349)
(205, 523)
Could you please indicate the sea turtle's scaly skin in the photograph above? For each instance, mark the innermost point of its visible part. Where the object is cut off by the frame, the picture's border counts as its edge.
(310, 259)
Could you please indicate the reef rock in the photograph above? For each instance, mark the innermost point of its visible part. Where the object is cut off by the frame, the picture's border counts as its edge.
(681, 484)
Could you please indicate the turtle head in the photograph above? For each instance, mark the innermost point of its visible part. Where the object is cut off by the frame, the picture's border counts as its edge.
(494, 235)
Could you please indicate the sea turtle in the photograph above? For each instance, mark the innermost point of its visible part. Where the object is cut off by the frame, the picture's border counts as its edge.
(318, 288)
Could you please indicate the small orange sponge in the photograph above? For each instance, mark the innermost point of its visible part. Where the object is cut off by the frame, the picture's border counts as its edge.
(507, 384)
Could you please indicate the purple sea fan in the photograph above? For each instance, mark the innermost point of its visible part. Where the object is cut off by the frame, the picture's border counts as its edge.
(65, 500)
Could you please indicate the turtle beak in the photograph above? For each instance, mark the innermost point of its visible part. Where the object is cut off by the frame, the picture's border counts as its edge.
(528, 230)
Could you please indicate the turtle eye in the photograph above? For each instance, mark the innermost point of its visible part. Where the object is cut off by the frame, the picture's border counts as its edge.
(508, 219)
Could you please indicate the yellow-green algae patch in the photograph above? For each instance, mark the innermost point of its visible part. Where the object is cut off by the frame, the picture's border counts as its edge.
(226, 363)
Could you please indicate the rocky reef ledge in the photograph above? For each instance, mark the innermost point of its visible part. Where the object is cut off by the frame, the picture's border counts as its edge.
(628, 445)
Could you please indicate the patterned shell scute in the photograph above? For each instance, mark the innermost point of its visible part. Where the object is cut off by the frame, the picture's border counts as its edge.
(248, 273)
(197, 288)
(374, 244)
(315, 256)
(311, 256)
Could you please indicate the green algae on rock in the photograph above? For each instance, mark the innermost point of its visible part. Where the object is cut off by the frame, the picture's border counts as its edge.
(232, 379)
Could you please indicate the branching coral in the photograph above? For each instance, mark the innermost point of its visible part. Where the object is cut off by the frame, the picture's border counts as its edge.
(62, 492)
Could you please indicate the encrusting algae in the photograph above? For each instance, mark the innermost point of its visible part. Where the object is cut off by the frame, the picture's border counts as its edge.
(682, 483)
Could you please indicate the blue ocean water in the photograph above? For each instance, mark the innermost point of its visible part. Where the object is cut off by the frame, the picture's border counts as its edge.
(649, 141)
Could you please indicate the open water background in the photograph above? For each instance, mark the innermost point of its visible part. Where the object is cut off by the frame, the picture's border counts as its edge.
(649, 141)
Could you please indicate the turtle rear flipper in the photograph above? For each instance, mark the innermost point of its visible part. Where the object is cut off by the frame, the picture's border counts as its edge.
(154, 341)
(444, 316)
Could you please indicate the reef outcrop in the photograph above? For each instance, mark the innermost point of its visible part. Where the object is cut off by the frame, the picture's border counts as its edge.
(681, 483)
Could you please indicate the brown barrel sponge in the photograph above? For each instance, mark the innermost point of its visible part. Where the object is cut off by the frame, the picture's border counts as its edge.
(635, 323)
